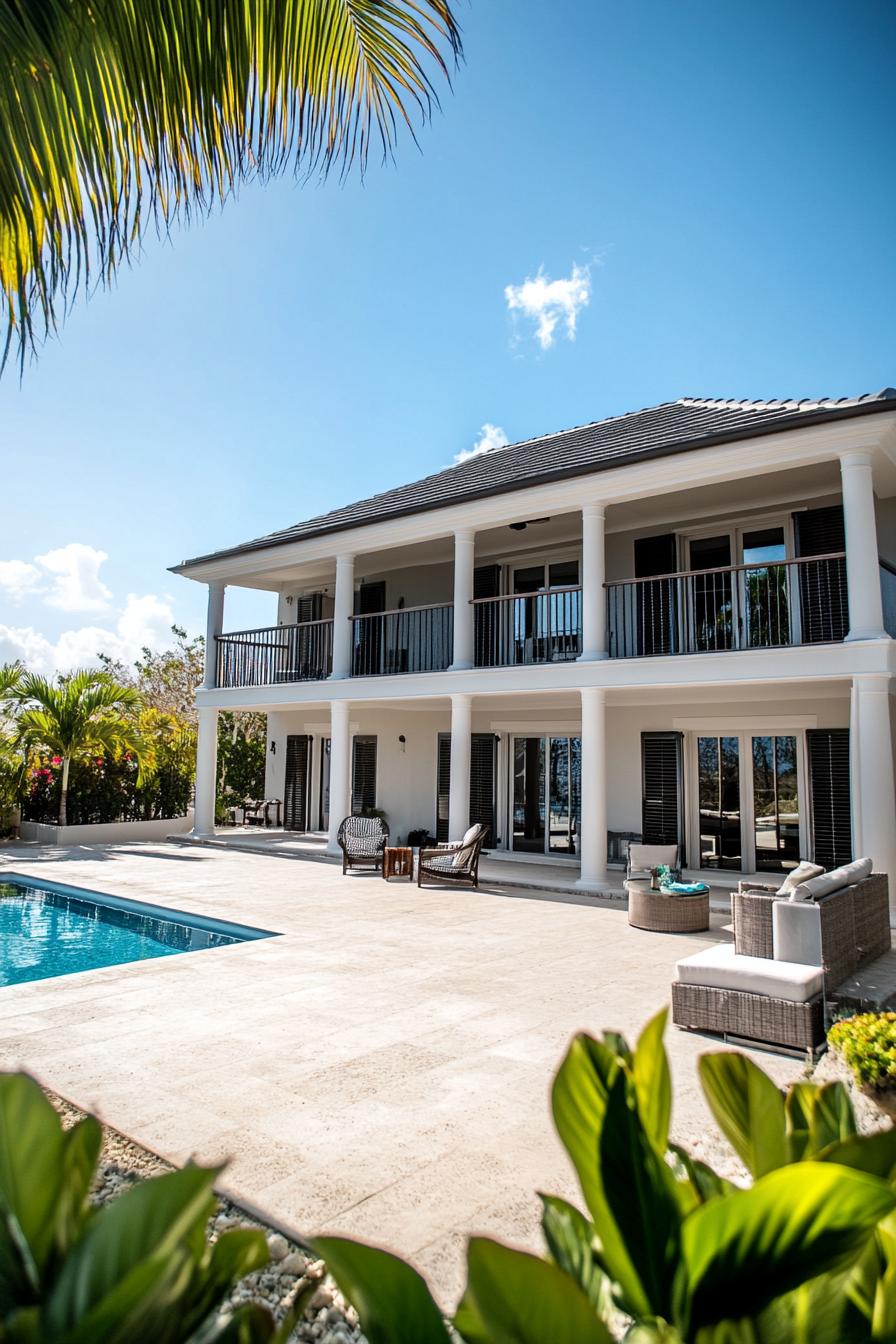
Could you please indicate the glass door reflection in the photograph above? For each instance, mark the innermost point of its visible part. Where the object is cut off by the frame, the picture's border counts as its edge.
(546, 794)
(718, 783)
(776, 806)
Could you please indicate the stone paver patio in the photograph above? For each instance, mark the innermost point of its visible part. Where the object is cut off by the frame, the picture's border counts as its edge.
(382, 1069)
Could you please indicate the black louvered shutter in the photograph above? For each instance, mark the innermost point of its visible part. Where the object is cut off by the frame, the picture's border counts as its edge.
(486, 621)
(309, 607)
(656, 603)
(295, 796)
(443, 786)
(661, 790)
(829, 791)
(824, 604)
(363, 775)
(482, 784)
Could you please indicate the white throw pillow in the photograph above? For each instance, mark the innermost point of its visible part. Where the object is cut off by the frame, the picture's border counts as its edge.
(802, 873)
(837, 880)
(461, 857)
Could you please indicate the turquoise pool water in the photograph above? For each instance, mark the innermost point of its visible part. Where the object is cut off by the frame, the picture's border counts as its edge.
(52, 930)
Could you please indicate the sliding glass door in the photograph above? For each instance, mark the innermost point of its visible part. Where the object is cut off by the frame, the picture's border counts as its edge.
(747, 788)
(546, 794)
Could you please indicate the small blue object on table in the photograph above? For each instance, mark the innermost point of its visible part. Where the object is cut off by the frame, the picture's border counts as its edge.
(684, 888)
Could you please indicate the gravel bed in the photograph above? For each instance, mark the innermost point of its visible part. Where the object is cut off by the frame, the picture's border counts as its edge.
(328, 1320)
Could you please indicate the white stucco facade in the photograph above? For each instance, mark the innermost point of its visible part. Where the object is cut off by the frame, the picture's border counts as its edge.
(605, 653)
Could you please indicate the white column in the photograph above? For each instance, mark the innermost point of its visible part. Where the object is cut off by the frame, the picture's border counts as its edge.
(594, 595)
(464, 548)
(874, 815)
(340, 769)
(866, 617)
(206, 773)
(593, 826)
(343, 609)
(214, 624)
(459, 792)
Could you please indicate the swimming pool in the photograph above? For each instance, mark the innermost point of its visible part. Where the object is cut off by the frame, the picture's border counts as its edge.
(48, 930)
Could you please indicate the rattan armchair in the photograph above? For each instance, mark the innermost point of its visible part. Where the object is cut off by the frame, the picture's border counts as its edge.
(362, 841)
(456, 863)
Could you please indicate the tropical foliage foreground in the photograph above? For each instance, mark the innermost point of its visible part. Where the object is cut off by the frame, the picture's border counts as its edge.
(665, 1251)
(125, 115)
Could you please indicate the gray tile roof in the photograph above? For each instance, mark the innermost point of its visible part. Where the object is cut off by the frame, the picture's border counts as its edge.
(672, 427)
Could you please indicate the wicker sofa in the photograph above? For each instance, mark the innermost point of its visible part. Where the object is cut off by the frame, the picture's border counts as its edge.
(759, 987)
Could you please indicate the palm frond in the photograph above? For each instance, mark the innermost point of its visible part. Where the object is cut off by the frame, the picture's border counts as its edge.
(121, 115)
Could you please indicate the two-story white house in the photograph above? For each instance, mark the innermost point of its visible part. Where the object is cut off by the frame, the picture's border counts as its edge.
(675, 623)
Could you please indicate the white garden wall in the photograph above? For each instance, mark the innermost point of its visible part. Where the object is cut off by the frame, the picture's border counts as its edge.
(112, 832)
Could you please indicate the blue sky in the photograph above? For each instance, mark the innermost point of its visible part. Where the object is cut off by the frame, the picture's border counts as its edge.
(715, 178)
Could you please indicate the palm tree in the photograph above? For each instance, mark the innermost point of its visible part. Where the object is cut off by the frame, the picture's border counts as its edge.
(121, 115)
(84, 713)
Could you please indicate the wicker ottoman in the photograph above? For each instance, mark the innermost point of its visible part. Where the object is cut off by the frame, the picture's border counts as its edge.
(653, 910)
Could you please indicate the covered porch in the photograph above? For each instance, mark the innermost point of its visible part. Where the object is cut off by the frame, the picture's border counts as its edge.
(746, 779)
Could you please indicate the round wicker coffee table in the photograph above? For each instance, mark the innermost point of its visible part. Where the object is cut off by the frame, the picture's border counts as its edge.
(653, 910)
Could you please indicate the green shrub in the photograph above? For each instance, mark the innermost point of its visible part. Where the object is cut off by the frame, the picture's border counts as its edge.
(666, 1249)
(868, 1045)
(140, 1270)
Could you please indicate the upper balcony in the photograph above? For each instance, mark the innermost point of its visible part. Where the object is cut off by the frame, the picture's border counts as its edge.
(763, 604)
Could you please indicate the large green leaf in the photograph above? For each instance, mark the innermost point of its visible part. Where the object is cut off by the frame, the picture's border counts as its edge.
(639, 1189)
(871, 1153)
(516, 1298)
(832, 1119)
(798, 1104)
(579, 1101)
(31, 1165)
(745, 1249)
(236, 1253)
(393, 1303)
(749, 1110)
(570, 1239)
(81, 1151)
(149, 1222)
(704, 1182)
(653, 1081)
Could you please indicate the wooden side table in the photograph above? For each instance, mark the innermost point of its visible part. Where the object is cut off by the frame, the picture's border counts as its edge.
(398, 861)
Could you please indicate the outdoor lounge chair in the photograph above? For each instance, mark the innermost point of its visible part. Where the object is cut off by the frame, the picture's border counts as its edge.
(455, 862)
(362, 841)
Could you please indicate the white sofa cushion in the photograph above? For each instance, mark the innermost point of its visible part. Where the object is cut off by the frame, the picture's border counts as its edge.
(802, 873)
(796, 932)
(720, 967)
(835, 880)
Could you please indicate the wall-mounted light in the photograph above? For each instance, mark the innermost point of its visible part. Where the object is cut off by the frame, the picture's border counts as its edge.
(290, 599)
(403, 741)
(273, 747)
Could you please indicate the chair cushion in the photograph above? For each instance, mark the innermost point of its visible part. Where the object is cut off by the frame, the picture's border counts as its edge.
(641, 858)
(720, 967)
(462, 854)
(796, 932)
(802, 873)
(836, 880)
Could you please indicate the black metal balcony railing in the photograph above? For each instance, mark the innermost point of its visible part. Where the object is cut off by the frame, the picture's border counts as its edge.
(276, 654)
(408, 639)
(765, 606)
(542, 627)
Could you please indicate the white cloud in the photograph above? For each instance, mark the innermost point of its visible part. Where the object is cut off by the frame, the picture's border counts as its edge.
(76, 582)
(18, 579)
(548, 302)
(490, 438)
(145, 620)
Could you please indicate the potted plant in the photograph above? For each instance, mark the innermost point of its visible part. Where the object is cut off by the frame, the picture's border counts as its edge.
(867, 1045)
